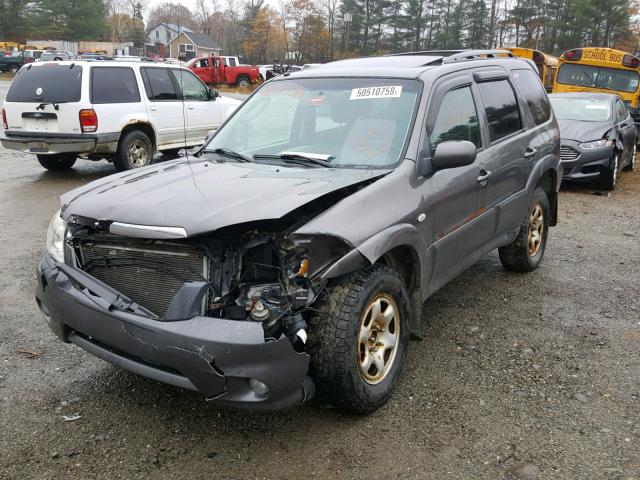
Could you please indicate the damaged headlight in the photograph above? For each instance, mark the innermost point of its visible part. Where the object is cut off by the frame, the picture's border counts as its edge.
(596, 144)
(55, 237)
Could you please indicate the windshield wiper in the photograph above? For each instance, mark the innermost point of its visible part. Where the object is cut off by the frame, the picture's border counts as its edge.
(302, 158)
(225, 152)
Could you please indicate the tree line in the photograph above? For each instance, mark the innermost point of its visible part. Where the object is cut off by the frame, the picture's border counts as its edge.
(304, 31)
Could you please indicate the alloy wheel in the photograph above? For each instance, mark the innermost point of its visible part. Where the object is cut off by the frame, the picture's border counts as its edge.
(378, 338)
(536, 230)
(138, 153)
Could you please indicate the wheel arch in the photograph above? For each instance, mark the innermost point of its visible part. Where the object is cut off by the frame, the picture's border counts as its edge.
(547, 182)
(145, 127)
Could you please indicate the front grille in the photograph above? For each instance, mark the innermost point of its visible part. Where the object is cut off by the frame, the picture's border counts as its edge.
(568, 154)
(150, 276)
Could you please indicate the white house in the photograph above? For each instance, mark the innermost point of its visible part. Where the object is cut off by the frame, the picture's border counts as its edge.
(161, 35)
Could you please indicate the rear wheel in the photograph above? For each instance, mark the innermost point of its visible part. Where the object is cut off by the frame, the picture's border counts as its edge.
(134, 150)
(358, 339)
(243, 82)
(609, 177)
(525, 253)
(57, 162)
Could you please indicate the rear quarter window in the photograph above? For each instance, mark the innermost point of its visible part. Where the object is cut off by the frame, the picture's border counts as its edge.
(532, 90)
(50, 83)
(114, 85)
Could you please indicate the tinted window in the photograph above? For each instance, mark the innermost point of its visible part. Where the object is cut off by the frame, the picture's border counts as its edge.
(501, 108)
(598, 77)
(532, 90)
(114, 85)
(621, 111)
(192, 88)
(159, 85)
(48, 83)
(457, 119)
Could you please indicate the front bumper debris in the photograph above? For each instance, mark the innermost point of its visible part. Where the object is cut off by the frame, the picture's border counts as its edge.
(216, 357)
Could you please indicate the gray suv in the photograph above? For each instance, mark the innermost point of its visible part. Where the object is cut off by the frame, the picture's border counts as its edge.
(297, 247)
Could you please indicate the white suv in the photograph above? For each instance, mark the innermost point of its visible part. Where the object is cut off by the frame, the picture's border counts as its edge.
(122, 111)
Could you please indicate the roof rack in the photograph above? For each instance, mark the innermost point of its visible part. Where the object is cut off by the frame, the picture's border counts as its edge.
(434, 53)
(469, 55)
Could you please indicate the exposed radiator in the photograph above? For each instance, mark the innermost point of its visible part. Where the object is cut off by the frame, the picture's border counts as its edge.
(149, 276)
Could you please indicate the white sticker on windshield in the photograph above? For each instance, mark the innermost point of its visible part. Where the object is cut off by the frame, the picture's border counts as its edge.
(597, 107)
(392, 91)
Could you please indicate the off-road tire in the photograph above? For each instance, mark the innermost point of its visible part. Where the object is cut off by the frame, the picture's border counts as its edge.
(57, 163)
(123, 160)
(333, 345)
(243, 82)
(516, 256)
(629, 167)
(609, 176)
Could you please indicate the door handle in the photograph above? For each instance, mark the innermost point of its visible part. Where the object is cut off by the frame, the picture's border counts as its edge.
(153, 109)
(190, 107)
(530, 152)
(483, 177)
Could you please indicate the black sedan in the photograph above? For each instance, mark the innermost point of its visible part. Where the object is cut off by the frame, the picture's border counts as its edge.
(598, 136)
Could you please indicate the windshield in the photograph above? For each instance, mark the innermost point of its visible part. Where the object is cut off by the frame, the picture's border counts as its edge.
(598, 77)
(49, 83)
(582, 109)
(353, 122)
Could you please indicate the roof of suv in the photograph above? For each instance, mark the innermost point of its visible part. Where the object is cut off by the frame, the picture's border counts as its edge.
(113, 63)
(402, 65)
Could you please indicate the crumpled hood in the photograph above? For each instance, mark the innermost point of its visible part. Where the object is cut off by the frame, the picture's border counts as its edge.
(583, 131)
(205, 196)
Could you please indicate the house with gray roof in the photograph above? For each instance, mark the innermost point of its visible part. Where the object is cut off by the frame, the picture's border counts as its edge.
(188, 45)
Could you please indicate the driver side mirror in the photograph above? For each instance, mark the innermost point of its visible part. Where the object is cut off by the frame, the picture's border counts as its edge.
(449, 155)
(213, 93)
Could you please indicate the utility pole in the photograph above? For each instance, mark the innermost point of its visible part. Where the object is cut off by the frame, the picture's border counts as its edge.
(347, 21)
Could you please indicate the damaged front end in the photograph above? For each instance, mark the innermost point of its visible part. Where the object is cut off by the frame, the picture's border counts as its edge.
(222, 313)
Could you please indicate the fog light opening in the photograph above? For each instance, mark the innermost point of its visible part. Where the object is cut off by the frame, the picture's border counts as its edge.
(258, 387)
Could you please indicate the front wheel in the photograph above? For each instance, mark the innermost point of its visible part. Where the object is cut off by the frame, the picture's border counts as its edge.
(609, 177)
(525, 253)
(134, 150)
(57, 162)
(632, 162)
(358, 339)
(14, 70)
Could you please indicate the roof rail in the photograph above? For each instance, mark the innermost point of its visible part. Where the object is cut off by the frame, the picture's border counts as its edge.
(436, 53)
(469, 55)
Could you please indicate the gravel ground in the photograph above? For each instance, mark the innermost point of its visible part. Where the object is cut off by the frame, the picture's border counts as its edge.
(520, 376)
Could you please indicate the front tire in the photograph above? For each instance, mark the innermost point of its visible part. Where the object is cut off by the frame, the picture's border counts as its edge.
(525, 253)
(57, 163)
(609, 177)
(134, 150)
(632, 163)
(358, 339)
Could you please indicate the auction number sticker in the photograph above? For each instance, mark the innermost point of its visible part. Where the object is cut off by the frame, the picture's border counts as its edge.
(376, 92)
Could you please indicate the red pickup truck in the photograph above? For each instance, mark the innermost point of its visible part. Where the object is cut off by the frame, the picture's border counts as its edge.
(213, 71)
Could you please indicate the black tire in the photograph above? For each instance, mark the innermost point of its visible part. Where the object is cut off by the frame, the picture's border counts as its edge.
(134, 150)
(57, 162)
(333, 339)
(629, 167)
(243, 82)
(14, 70)
(518, 256)
(609, 176)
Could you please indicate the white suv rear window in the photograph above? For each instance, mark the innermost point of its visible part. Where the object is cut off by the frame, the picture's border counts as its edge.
(50, 83)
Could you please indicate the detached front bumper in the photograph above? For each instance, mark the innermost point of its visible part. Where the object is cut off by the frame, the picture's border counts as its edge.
(54, 143)
(216, 357)
(586, 164)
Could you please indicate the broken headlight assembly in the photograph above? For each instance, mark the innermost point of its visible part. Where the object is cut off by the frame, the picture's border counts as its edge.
(55, 237)
(596, 144)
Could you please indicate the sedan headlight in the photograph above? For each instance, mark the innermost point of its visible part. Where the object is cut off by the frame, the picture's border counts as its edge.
(596, 144)
(55, 237)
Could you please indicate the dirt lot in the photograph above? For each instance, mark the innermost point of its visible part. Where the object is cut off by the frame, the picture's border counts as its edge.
(521, 376)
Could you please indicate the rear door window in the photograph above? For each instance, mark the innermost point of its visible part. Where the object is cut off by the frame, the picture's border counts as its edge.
(532, 90)
(114, 85)
(50, 83)
(456, 120)
(159, 84)
(500, 108)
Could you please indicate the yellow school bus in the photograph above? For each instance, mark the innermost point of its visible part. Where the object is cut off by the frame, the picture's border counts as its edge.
(546, 64)
(603, 70)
